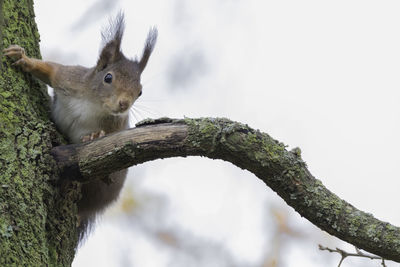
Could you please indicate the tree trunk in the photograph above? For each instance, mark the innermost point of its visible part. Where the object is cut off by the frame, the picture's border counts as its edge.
(37, 227)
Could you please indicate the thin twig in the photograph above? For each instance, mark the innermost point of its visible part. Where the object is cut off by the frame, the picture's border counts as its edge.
(358, 253)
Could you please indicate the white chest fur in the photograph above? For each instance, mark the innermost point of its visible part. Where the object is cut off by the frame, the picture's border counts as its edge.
(76, 117)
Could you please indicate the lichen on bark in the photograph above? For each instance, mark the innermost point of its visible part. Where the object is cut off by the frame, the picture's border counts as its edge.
(29, 219)
(283, 171)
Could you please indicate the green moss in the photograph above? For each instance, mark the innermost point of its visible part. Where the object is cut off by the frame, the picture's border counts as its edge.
(153, 121)
(29, 214)
(286, 173)
(203, 133)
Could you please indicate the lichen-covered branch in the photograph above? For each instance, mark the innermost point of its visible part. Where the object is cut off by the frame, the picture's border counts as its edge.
(284, 171)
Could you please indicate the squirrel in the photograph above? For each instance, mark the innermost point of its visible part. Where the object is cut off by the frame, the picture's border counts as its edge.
(91, 102)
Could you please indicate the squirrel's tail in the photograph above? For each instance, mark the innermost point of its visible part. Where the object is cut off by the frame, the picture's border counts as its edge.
(85, 227)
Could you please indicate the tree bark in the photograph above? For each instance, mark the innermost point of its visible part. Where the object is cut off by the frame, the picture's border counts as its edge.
(284, 171)
(37, 224)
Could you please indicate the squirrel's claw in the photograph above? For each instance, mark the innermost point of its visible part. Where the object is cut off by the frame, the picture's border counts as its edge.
(17, 53)
(20, 62)
(92, 136)
(14, 51)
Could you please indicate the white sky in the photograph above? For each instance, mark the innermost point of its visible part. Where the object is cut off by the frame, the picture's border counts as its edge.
(320, 75)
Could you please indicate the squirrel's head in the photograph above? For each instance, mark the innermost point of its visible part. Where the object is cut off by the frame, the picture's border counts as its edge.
(116, 79)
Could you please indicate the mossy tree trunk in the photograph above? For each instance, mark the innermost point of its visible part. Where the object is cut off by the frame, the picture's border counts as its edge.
(35, 230)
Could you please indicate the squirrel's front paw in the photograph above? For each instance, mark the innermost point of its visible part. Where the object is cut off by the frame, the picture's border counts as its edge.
(92, 136)
(18, 54)
(15, 52)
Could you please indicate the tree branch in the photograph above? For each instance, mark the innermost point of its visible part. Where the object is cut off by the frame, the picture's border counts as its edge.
(345, 254)
(284, 171)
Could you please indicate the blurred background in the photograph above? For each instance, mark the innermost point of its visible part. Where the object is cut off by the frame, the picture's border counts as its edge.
(320, 75)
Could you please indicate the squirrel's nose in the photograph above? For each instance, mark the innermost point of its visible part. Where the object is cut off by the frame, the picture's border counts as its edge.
(123, 105)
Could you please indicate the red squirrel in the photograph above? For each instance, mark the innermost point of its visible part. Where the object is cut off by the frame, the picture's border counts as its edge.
(91, 102)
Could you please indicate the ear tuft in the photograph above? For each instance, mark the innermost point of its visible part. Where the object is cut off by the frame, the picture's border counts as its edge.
(112, 37)
(148, 48)
(115, 29)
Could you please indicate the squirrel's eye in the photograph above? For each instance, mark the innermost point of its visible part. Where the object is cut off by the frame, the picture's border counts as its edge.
(140, 93)
(108, 78)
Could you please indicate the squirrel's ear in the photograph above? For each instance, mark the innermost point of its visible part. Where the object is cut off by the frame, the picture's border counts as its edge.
(112, 37)
(148, 48)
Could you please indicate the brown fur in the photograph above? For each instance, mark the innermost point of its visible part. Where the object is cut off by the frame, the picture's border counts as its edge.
(84, 103)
